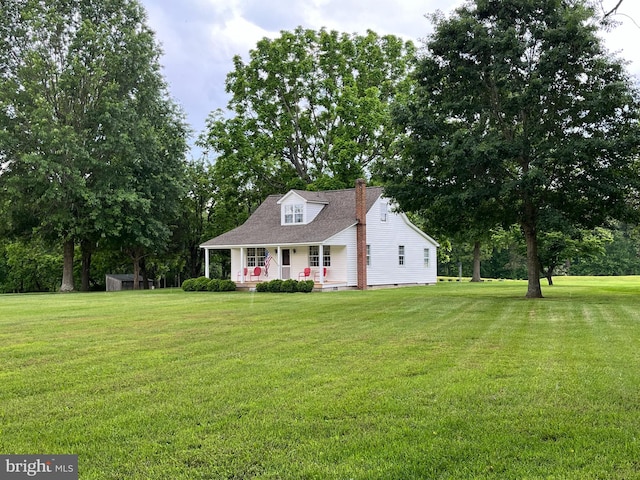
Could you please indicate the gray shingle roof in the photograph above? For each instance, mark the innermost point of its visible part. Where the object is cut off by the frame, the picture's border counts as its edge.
(264, 227)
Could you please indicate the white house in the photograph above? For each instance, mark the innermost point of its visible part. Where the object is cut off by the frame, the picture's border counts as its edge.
(348, 238)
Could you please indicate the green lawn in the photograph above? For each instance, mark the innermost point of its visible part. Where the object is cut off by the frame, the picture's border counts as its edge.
(456, 381)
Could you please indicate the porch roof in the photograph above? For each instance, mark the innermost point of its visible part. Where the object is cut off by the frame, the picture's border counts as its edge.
(264, 226)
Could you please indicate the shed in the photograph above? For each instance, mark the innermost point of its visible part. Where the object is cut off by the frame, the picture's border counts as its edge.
(123, 281)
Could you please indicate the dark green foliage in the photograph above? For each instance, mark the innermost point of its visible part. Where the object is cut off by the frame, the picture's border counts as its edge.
(309, 106)
(305, 286)
(519, 116)
(189, 285)
(203, 284)
(92, 145)
(213, 285)
(29, 266)
(289, 286)
(227, 286)
(621, 257)
(274, 286)
(285, 286)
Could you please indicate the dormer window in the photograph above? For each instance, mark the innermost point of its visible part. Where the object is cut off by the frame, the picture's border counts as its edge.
(294, 213)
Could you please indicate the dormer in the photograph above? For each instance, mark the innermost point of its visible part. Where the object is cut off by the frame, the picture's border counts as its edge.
(297, 210)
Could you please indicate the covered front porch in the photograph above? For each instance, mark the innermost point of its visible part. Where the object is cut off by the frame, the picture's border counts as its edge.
(326, 265)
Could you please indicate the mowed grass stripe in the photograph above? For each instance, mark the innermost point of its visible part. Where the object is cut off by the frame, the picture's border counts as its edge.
(450, 381)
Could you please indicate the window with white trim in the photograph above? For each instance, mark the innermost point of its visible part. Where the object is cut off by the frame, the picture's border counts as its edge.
(426, 257)
(401, 257)
(314, 256)
(294, 213)
(383, 211)
(255, 257)
(326, 256)
(368, 255)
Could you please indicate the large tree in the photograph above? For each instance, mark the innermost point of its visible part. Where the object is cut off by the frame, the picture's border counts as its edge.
(310, 106)
(85, 115)
(518, 105)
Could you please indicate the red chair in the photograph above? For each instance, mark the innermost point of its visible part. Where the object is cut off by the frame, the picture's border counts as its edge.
(305, 274)
(246, 272)
(316, 275)
(256, 273)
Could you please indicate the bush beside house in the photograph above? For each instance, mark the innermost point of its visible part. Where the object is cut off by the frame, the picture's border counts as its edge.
(204, 284)
(285, 286)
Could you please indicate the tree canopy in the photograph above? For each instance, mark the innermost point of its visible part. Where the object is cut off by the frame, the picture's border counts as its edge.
(519, 115)
(91, 145)
(310, 106)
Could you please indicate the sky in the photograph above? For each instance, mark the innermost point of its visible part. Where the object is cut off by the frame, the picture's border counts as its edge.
(199, 38)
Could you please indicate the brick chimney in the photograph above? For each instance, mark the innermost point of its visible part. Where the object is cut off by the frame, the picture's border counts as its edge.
(361, 233)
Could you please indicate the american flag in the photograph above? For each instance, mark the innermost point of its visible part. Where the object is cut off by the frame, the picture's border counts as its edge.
(267, 261)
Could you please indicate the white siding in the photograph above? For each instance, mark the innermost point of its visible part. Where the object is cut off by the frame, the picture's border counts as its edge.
(236, 267)
(385, 237)
(311, 210)
(343, 262)
(291, 199)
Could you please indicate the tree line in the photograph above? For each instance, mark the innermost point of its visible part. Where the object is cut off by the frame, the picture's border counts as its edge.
(511, 135)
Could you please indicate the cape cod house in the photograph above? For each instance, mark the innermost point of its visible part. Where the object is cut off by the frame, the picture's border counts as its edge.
(348, 238)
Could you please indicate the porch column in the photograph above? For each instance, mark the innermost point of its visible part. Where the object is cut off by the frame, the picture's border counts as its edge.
(206, 262)
(242, 277)
(321, 262)
(279, 262)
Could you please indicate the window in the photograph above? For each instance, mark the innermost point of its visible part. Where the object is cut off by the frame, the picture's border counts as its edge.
(294, 213)
(368, 255)
(326, 256)
(314, 256)
(401, 255)
(383, 212)
(426, 257)
(255, 257)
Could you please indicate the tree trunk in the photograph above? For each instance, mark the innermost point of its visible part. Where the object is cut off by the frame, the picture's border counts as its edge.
(476, 263)
(145, 275)
(86, 251)
(533, 262)
(67, 268)
(136, 256)
(196, 261)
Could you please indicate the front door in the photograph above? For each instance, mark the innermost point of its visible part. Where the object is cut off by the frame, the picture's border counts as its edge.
(286, 264)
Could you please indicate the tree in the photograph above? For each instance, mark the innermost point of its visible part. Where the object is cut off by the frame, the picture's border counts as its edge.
(519, 106)
(557, 248)
(83, 106)
(612, 11)
(310, 106)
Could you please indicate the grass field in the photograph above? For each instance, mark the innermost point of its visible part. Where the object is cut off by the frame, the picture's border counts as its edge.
(453, 381)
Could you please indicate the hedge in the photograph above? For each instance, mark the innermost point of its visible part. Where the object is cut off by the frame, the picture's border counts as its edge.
(285, 286)
(203, 284)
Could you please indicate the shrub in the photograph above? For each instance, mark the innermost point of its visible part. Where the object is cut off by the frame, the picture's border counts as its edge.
(214, 285)
(227, 286)
(274, 286)
(201, 284)
(189, 285)
(286, 286)
(289, 286)
(305, 286)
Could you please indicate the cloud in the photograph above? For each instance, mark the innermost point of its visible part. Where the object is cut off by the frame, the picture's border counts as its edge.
(201, 37)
